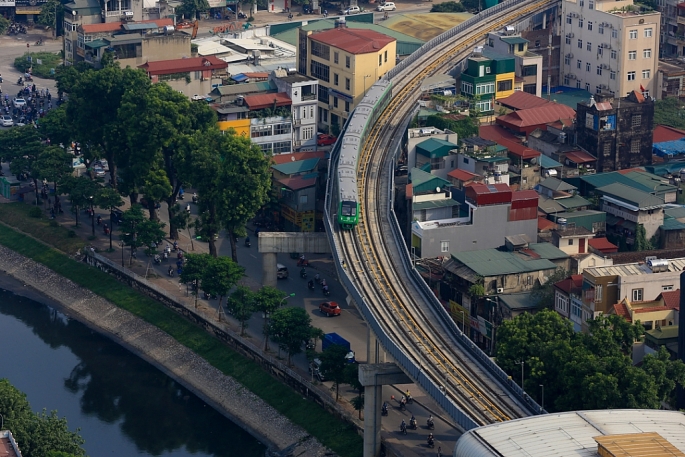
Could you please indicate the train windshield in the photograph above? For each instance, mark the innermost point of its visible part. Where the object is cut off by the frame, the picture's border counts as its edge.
(349, 209)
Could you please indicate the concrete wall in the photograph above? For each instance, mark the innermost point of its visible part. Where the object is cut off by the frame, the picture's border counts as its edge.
(160, 47)
(412, 141)
(652, 284)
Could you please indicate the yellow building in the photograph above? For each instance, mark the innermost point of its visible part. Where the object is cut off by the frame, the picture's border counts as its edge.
(346, 62)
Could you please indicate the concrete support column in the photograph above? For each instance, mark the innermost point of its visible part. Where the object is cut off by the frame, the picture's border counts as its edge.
(373, 396)
(269, 269)
(374, 350)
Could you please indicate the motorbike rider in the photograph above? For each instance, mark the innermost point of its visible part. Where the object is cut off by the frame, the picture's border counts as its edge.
(317, 278)
(403, 402)
(310, 284)
(158, 260)
(403, 427)
(323, 284)
(384, 408)
(412, 421)
(430, 421)
(325, 290)
(430, 439)
(170, 271)
(247, 241)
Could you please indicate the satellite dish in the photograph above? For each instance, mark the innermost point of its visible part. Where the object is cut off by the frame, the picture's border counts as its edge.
(534, 160)
(437, 189)
(292, 158)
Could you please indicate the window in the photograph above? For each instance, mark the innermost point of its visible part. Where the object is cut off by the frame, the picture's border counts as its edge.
(522, 47)
(566, 81)
(569, 20)
(386, 56)
(600, 29)
(321, 50)
(335, 79)
(308, 133)
(591, 4)
(484, 105)
(648, 33)
(589, 25)
(444, 246)
(631, 76)
(599, 70)
(645, 74)
(577, 84)
(580, 44)
(323, 94)
(668, 287)
(607, 149)
(568, 39)
(335, 57)
(580, 22)
(647, 53)
(259, 131)
(380, 60)
(634, 146)
(347, 61)
(282, 147)
(588, 66)
(598, 293)
(466, 88)
(570, 242)
(587, 87)
(637, 294)
(281, 129)
(529, 70)
(335, 102)
(504, 85)
(303, 199)
(347, 83)
(320, 71)
(614, 33)
(582, 3)
(567, 61)
(632, 34)
(485, 88)
(347, 107)
(579, 64)
(600, 51)
(589, 46)
(632, 55)
(612, 75)
(613, 54)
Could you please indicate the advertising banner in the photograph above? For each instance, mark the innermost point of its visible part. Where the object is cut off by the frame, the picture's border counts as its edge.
(6, 3)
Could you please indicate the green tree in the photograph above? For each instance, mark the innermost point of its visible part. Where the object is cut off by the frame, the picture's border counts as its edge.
(79, 191)
(54, 165)
(194, 270)
(543, 294)
(21, 147)
(4, 25)
(472, 5)
(352, 378)
(130, 220)
(448, 7)
(54, 127)
(267, 300)
(641, 241)
(670, 111)
(290, 328)
(465, 128)
(241, 304)
(667, 373)
(190, 8)
(108, 198)
(333, 366)
(220, 276)
(50, 13)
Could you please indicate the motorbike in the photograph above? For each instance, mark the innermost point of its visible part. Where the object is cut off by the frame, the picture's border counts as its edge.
(98, 221)
(412, 423)
(165, 255)
(430, 424)
(39, 43)
(175, 248)
(403, 428)
(20, 82)
(242, 15)
(170, 272)
(157, 259)
(303, 273)
(431, 442)
(384, 410)
(326, 292)
(247, 243)
(310, 284)
(410, 399)
(303, 263)
(403, 404)
(194, 198)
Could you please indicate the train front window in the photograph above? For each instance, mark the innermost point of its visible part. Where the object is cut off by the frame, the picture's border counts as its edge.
(349, 209)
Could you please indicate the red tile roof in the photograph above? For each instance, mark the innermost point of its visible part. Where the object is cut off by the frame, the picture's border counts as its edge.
(579, 157)
(115, 26)
(479, 188)
(671, 299)
(257, 75)
(545, 224)
(298, 182)
(666, 133)
(523, 100)
(518, 149)
(621, 309)
(602, 245)
(462, 175)
(297, 156)
(540, 115)
(167, 67)
(261, 101)
(638, 96)
(496, 132)
(573, 282)
(354, 41)
(603, 106)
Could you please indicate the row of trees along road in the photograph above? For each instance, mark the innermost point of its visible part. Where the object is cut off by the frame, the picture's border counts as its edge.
(156, 142)
(38, 434)
(581, 371)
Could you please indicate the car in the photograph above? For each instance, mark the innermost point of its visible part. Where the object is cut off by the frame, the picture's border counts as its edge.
(184, 25)
(387, 6)
(7, 121)
(351, 10)
(281, 271)
(19, 102)
(99, 171)
(329, 308)
(103, 163)
(323, 139)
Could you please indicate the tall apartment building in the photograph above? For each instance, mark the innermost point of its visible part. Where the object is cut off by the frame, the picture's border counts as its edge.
(672, 28)
(347, 62)
(610, 46)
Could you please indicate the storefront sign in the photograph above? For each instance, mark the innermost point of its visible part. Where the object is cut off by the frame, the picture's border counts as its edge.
(6, 3)
(216, 3)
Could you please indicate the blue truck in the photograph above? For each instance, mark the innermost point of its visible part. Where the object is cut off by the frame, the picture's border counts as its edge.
(330, 339)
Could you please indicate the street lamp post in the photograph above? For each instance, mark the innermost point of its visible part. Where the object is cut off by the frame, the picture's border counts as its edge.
(542, 398)
(92, 214)
(522, 363)
(463, 321)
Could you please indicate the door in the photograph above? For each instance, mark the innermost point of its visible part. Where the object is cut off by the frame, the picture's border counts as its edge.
(581, 246)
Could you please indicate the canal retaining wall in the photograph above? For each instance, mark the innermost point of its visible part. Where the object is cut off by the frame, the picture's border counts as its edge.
(222, 392)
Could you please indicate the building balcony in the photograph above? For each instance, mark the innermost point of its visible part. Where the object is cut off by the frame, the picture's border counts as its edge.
(309, 97)
(680, 20)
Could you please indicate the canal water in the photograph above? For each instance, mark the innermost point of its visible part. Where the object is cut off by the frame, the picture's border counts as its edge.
(123, 405)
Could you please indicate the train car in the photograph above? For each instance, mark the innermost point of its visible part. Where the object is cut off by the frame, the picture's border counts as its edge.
(363, 118)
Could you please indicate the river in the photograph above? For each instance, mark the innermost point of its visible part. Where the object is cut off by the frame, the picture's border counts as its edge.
(123, 405)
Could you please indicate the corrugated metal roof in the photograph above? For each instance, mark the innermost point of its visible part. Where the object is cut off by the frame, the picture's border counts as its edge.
(491, 262)
(663, 133)
(299, 166)
(354, 41)
(631, 195)
(514, 40)
(548, 162)
(572, 202)
(579, 157)
(523, 100)
(557, 184)
(423, 181)
(675, 212)
(518, 302)
(632, 269)
(431, 204)
(539, 115)
(672, 224)
(567, 434)
(434, 147)
(248, 88)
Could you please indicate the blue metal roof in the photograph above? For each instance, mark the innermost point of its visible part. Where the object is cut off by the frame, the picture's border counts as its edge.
(239, 78)
(548, 162)
(669, 148)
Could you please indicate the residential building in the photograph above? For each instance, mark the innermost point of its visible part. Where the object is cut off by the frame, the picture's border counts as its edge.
(435, 156)
(512, 305)
(346, 62)
(635, 178)
(524, 168)
(670, 77)
(460, 178)
(525, 121)
(8, 445)
(610, 46)
(485, 158)
(566, 292)
(617, 132)
(651, 314)
(672, 232)
(296, 184)
(528, 69)
(547, 43)
(429, 199)
(271, 123)
(486, 215)
(488, 76)
(627, 208)
(302, 91)
(191, 76)
(447, 140)
(602, 246)
(605, 286)
(672, 31)
(572, 240)
(558, 196)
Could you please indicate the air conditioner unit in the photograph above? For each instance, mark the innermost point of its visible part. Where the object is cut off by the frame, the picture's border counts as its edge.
(605, 66)
(571, 76)
(603, 86)
(488, 70)
(128, 13)
(569, 55)
(570, 35)
(574, 14)
(500, 290)
(606, 45)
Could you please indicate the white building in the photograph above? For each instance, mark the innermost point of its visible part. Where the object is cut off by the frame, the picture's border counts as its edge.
(610, 46)
(302, 91)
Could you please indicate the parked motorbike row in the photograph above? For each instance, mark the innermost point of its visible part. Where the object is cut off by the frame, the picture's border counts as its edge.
(16, 29)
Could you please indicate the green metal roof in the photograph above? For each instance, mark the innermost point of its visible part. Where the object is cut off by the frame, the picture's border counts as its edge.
(434, 148)
(631, 196)
(652, 183)
(96, 44)
(442, 203)
(664, 333)
(548, 162)
(640, 180)
(245, 88)
(299, 166)
(424, 182)
(518, 302)
(672, 224)
(514, 40)
(557, 184)
(492, 262)
(675, 212)
(572, 202)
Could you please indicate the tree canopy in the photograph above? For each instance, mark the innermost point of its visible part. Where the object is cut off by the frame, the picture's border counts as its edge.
(670, 111)
(597, 363)
(448, 7)
(465, 128)
(290, 328)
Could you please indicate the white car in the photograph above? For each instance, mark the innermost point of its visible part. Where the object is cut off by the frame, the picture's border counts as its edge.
(352, 10)
(7, 121)
(103, 164)
(387, 6)
(19, 102)
(99, 172)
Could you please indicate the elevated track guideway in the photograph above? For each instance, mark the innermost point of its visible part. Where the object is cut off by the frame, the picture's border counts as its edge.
(374, 262)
